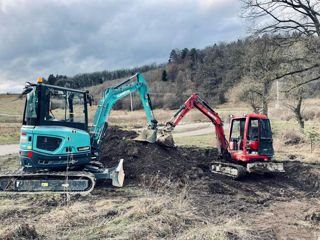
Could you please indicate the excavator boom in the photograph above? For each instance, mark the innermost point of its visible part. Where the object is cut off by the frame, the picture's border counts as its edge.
(110, 97)
(193, 101)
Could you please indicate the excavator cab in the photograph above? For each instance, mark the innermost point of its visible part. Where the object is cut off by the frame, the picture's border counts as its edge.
(55, 127)
(237, 134)
(250, 138)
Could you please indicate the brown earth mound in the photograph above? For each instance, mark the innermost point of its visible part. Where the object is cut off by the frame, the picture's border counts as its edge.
(182, 163)
(142, 158)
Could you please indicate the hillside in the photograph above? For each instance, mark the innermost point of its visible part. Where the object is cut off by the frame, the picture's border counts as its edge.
(245, 70)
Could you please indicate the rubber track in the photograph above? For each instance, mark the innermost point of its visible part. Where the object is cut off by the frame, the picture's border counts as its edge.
(242, 171)
(20, 173)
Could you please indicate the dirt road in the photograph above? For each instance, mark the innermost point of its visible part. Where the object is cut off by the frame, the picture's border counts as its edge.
(9, 149)
(198, 132)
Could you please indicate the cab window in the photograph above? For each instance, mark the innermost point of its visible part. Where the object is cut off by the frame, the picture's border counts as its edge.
(237, 130)
(253, 130)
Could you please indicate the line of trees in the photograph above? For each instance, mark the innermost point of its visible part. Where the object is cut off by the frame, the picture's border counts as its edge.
(90, 79)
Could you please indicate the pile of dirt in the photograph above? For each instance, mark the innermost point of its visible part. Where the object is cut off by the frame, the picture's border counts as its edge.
(181, 163)
(142, 158)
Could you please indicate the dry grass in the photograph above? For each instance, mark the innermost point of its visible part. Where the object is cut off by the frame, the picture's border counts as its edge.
(11, 105)
(9, 133)
(157, 209)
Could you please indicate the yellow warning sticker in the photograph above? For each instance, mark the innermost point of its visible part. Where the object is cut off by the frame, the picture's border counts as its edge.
(29, 147)
(44, 184)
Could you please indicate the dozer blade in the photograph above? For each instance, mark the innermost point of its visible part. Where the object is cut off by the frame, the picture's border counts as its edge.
(265, 167)
(117, 175)
(147, 135)
(166, 139)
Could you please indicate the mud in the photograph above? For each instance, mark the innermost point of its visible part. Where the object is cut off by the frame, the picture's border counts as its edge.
(277, 206)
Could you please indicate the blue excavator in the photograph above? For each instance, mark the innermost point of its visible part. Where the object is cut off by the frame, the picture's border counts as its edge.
(58, 151)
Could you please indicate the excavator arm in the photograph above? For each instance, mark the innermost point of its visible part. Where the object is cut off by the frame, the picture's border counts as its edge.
(107, 101)
(194, 101)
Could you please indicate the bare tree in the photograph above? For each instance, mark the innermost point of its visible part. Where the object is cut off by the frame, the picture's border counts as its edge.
(295, 104)
(261, 65)
(290, 16)
(297, 21)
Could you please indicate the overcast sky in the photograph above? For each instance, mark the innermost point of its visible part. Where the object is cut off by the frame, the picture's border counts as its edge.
(40, 37)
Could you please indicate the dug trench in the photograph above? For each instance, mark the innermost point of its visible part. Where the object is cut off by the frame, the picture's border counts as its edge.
(283, 205)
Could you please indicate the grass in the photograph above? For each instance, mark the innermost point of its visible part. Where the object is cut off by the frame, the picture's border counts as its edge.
(160, 211)
(9, 133)
(11, 110)
(202, 141)
(155, 209)
(11, 105)
(9, 162)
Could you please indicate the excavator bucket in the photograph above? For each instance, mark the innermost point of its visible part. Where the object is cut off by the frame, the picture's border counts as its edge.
(166, 139)
(148, 135)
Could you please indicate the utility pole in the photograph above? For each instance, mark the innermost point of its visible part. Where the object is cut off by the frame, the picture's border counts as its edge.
(277, 102)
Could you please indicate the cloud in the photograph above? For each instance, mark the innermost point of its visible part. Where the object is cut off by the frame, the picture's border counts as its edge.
(40, 37)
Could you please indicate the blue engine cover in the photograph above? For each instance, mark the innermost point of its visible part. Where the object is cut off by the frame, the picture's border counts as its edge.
(53, 147)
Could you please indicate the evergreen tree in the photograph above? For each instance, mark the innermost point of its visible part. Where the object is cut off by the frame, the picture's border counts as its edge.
(164, 76)
(184, 53)
(51, 79)
(173, 56)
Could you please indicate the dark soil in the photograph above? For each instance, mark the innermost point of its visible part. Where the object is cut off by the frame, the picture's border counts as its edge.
(267, 204)
(142, 158)
(184, 163)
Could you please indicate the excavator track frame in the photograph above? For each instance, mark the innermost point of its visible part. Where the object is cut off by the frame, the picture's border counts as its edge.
(232, 170)
(20, 182)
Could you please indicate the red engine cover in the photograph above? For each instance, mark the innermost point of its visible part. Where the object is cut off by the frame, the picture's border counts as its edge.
(254, 145)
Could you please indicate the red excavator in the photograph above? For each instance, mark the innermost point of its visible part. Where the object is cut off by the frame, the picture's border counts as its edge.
(249, 148)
